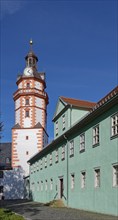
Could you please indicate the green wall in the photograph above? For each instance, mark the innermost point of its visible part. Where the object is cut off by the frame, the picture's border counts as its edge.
(103, 199)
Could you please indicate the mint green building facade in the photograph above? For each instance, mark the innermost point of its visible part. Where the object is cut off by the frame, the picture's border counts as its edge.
(80, 166)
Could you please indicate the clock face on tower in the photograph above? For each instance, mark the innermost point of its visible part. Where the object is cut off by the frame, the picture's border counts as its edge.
(28, 71)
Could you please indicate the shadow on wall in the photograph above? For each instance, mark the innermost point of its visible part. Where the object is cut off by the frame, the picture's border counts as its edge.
(26, 188)
(13, 184)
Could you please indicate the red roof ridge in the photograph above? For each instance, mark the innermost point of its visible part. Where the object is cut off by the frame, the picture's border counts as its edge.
(78, 102)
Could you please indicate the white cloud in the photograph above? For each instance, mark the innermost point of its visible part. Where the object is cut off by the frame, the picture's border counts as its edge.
(9, 7)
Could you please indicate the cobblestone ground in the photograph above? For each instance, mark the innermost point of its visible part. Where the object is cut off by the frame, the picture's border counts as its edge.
(37, 211)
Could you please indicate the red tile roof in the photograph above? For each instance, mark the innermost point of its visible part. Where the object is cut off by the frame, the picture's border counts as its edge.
(78, 103)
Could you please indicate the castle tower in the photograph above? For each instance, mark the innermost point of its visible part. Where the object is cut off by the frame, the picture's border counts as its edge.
(29, 132)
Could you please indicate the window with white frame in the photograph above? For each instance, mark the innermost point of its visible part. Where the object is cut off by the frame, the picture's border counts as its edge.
(63, 152)
(46, 185)
(114, 125)
(97, 178)
(51, 184)
(96, 135)
(37, 166)
(56, 127)
(41, 185)
(50, 159)
(41, 165)
(63, 121)
(72, 148)
(56, 156)
(115, 175)
(82, 142)
(72, 181)
(45, 161)
(83, 179)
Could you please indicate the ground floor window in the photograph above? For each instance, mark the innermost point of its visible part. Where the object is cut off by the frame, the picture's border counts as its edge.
(46, 185)
(115, 175)
(41, 185)
(97, 178)
(51, 184)
(72, 181)
(83, 179)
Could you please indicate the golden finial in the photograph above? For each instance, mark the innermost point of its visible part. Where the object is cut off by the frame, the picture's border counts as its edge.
(31, 43)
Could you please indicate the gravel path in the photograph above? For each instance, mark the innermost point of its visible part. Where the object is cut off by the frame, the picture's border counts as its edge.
(36, 211)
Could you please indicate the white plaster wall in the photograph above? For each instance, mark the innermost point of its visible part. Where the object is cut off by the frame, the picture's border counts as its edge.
(20, 85)
(38, 116)
(27, 122)
(17, 103)
(25, 83)
(24, 145)
(38, 102)
(17, 116)
(37, 85)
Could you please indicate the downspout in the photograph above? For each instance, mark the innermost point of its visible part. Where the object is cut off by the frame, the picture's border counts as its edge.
(29, 193)
(67, 168)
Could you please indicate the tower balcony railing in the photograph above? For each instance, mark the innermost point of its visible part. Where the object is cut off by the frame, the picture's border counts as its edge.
(28, 91)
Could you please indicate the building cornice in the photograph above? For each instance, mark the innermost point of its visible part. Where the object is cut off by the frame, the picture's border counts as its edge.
(22, 78)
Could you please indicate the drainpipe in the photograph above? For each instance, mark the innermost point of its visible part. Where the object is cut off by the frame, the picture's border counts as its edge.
(67, 168)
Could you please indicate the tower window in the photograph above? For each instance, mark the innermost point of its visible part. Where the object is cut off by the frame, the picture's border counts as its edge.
(26, 101)
(27, 113)
(30, 62)
(28, 85)
(27, 137)
(27, 152)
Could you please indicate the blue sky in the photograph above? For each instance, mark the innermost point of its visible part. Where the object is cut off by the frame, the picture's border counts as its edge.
(75, 41)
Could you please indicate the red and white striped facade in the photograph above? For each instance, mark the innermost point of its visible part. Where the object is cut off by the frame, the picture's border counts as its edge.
(29, 133)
